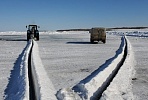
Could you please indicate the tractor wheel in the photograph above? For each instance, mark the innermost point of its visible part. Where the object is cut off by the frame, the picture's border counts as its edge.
(28, 37)
(92, 41)
(37, 37)
(104, 41)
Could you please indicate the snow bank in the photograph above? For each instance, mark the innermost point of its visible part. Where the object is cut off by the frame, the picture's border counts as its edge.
(18, 87)
(43, 86)
(64, 32)
(43, 33)
(91, 87)
(12, 33)
(130, 32)
(120, 88)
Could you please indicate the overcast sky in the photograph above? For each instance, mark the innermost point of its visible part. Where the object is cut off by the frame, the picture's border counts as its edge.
(65, 14)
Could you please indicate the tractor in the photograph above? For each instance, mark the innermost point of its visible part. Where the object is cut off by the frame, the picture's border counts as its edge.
(32, 32)
(97, 34)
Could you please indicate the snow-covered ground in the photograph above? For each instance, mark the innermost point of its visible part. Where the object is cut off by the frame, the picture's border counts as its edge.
(71, 57)
(68, 58)
(140, 82)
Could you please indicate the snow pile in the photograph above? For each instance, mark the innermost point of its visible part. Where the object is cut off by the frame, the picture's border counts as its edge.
(137, 34)
(92, 86)
(18, 87)
(121, 86)
(43, 86)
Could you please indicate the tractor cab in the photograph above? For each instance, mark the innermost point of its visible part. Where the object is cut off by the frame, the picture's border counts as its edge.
(32, 32)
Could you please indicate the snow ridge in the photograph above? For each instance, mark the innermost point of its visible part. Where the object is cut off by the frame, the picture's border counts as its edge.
(40, 77)
(90, 87)
(121, 86)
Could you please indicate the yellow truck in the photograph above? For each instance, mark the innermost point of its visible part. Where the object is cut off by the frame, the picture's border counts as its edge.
(97, 34)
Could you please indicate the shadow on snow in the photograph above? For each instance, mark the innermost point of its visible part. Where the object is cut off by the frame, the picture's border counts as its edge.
(84, 43)
(12, 38)
(16, 85)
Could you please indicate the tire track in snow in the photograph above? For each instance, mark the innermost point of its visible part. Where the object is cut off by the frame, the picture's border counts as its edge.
(32, 95)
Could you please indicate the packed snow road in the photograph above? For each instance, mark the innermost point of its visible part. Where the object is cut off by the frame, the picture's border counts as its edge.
(69, 58)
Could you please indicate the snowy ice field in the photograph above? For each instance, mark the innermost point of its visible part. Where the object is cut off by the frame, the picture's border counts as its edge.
(67, 59)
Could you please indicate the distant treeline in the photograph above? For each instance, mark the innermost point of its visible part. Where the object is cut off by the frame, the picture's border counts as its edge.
(73, 30)
(107, 29)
